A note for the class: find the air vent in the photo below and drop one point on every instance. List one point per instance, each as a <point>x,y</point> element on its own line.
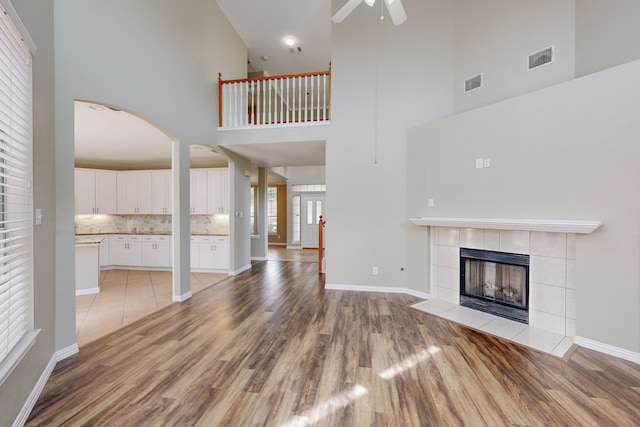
<point>295,49</point>
<point>473,83</point>
<point>540,58</point>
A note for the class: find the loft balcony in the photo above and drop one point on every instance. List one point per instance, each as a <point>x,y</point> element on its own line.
<point>275,101</point>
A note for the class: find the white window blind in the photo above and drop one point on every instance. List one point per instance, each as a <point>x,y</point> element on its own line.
<point>16,197</point>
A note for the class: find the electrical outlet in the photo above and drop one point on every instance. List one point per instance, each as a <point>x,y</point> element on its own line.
<point>479,163</point>
<point>486,163</point>
<point>375,271</point>
<point>430,203</point>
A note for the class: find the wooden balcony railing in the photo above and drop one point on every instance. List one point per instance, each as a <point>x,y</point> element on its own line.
<point>277,100</point>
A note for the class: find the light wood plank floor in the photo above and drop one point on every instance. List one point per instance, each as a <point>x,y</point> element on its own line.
<point>280,253</point>
<point>271,347</point>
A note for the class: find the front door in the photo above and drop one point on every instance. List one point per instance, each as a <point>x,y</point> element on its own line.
<point>312,208</point>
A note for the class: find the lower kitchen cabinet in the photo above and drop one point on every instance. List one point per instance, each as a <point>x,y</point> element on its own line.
<point>210,252</point>
<point>156,251</point>
<point>125,250</point>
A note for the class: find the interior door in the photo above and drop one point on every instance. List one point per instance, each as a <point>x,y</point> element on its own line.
<point>312,208</point>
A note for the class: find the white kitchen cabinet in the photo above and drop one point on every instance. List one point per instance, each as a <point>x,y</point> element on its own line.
<point>103,251</point>
<point>162,192</point>
<point>218,191</point>
<point>156,251</point>
<point>135,192</point>
<point>95,191</point>
<point>210,252</point>
<point>198,191</point>
<point>195,253</point>
<point>125,250</point>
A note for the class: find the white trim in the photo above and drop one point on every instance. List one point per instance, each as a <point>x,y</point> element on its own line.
<point>66,352</point>
<point>259,258</point>
<point>608,349</point>
<point>6,4</point>
<point>276,244</point>
<point>384,289</point>
<point>23,415</point>
<point>88,291</point>
<point>554,226</point>
<point>182,298</point>
<point>274,126</point>
<point>240,270</point>
<point>298,246</point>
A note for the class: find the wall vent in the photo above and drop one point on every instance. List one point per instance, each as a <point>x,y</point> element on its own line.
<point>540,58</point>
<point>473,83</point>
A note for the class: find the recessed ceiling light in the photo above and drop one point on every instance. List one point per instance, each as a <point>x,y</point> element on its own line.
<point>289,41</point>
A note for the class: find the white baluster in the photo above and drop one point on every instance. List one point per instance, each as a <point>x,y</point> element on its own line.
<point>306,90</point>
<point>270,89</point>
<point>324,103</point>
<point>299,99</point>
<point>281,120</point>
<point>319,78</point>
<point>288,106</point>
<point>312,93</point>
<point>264,102</point>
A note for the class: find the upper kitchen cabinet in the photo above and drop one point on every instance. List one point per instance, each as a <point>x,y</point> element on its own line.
<point>198,191</point>
<point>96,191</point>
<point>162,192</point>
<point>135,192</point>
<point>218,183</point>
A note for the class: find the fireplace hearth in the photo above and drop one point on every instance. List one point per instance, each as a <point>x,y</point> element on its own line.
<point>495,282</point>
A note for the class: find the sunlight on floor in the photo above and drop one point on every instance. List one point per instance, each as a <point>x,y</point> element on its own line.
<point>409,363</point>
<point>332,405</point>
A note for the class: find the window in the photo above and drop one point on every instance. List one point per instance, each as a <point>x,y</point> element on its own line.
<point>272,210</point>
<point>253,212</point>
<point>16,205</point>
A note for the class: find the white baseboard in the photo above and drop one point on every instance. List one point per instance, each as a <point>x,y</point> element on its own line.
<point>59,355</point>
<point>66,352</point>
<point>88,291</point>
<point>276,244</point>
<point>23,415</point>
<point>385,289</point>
<point>182,298</point>
<point>259,258</point>
<point>608,349</point>
<point>240,270</point>
<point>294,247</point>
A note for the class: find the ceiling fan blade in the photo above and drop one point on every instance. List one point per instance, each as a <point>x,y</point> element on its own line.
<point>398,16</point>
<point>345,11</point>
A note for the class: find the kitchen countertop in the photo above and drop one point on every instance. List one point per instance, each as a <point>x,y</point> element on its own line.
<point>88,240</point>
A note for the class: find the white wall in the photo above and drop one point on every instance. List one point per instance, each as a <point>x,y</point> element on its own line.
<point>607,34</point>
<point>495,37</point>
<point>147,56</point>
<point>366,201</point>
<point>566,152</point>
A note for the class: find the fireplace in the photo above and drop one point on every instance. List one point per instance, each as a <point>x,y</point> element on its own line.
<point>495,282</point>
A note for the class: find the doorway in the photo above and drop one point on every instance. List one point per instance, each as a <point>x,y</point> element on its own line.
<point>312,208</point>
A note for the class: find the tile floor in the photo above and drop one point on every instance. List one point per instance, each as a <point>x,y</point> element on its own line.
<point>126,296</point>
<point>536,338</point>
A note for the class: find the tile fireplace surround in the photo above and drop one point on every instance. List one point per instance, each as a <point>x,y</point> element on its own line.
<point>552,284</point>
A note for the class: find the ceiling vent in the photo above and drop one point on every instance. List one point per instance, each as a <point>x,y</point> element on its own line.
<point>472,83</point>
<point>540,58</point>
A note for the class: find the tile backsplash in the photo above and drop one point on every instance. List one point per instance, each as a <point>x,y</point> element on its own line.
<point>148,224</point>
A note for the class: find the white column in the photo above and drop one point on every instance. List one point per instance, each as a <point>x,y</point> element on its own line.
<point>181,221</point>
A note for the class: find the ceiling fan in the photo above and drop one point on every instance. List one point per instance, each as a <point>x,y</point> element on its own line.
<point>398,16</point>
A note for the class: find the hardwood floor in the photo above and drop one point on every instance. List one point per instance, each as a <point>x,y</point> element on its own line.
<point>280,253</point>
<point>271,347</point>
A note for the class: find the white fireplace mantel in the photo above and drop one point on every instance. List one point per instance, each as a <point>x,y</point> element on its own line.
<point>545,225</point>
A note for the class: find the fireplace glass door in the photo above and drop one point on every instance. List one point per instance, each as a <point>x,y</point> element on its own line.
<point>495,282</point>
